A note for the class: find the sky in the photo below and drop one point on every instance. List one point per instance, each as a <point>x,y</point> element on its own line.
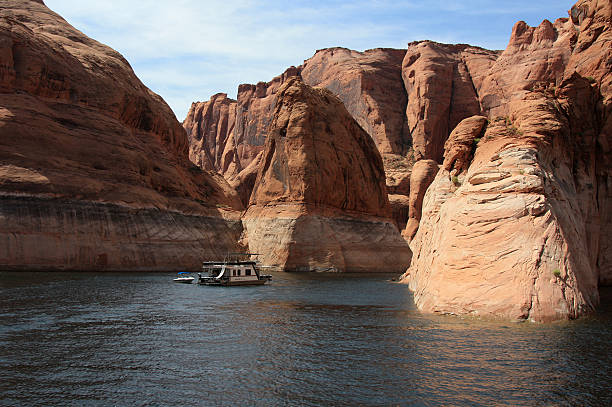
<point>188,50</point>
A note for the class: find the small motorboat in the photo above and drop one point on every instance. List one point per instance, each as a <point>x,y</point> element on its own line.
<point>184,277</point>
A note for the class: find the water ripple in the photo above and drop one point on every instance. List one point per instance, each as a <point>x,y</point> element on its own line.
<point>308,340</point>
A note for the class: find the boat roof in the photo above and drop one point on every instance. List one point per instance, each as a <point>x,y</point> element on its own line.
<point>231,263</point>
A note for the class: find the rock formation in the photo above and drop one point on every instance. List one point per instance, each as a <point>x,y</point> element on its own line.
<point>320,202</point>
<point>368,83</point>
<point>441,82</point>
<point>94,169</point>
<point>462,142</point>
<point>407,101</point>
<point>423,174</point>
<point>228,135</point>
<point>370,86</point>
<point>516,224</point>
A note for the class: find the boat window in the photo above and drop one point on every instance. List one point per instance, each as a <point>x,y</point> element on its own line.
<point>248,272</point>
<point>216,270</point>
<point>239,272</point>
<point>233,272</point>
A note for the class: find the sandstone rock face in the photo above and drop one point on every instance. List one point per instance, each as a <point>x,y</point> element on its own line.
<point>370,86</point>
<point>210,128</point>
<point>407,101</point>
<point>39,233</point>
<point>441,82</point>
<point>535,57</point>
<point>228,136</point>
<point>320,202</point>
<point>398,97</point>
<point>520,227</point>
<point>423,174</point>
<point>592,59</point>
<point>89,155</point>
<point>368,83</point>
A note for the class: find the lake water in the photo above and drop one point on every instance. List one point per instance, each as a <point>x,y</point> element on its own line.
<point>305,340</point>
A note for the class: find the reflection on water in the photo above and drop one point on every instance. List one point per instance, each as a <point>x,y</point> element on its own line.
<point>139,339</point>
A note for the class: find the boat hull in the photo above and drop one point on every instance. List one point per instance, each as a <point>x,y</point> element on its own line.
<point>231,272</point>
<point>226,283</point>
<point>184,280</point>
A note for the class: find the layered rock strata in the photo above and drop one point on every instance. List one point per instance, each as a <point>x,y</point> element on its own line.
<point>320,202</point>
<point>94,169</point>
<point>516,224</point>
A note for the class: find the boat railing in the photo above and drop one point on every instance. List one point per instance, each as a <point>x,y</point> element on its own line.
<point>236,257</point>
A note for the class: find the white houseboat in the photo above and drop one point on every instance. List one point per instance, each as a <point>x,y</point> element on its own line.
<point>232,271</point>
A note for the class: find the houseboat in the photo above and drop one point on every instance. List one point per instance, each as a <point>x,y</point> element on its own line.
<point>232,271</point>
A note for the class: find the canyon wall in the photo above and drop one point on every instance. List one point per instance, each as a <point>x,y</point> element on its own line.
<point>368,83</point>
<point>516,223</point>
<point>319,201</point>
<point>94,168</point>
<point>503,156</point>
<point>228,135</point>
<point>441,82</point>
<point>406,100</point>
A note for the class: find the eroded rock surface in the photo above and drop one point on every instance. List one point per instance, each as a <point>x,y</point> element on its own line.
<point>370,86</point>
<point>407,101</point>
<point>94,171</point>
<point>228,136</point>
<point>368,83</point>
<point>320,201</point>
<point>519,226</point>
<point>461,143</point>
<point>423,174</point>
<point>441,81</point>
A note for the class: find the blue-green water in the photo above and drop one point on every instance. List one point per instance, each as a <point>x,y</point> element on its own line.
<point>313,340</point>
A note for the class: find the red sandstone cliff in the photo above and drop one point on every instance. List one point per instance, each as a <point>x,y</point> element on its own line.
<point>320,201</point>
<point>368,83</point>
<point>516,223</point>
<point>441,82</point>
<point>94,171</point>
<point>227,136</point>
<point>407,101</point>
